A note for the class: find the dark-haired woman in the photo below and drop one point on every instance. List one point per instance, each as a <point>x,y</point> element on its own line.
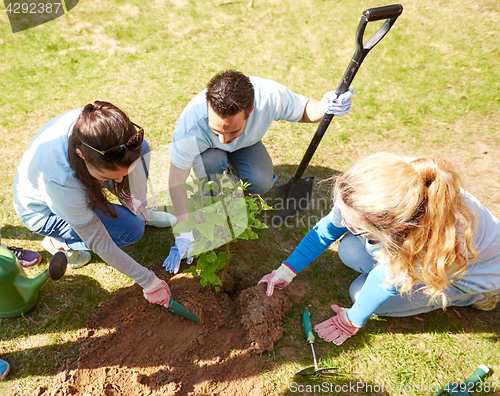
<point>60,191</point>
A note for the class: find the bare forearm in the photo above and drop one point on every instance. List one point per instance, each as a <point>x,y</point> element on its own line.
<point>179,196</point>
<point>177,193</point>
<point>312,112</point>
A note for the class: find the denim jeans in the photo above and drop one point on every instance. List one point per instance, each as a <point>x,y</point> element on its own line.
<point>353,254</point>
<point>251,164</point>
<point>126,229</point>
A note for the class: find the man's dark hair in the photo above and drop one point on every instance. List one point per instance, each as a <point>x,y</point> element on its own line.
<point>230,92</point>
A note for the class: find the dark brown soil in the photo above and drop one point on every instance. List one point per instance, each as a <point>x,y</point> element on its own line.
<point>131,347</point>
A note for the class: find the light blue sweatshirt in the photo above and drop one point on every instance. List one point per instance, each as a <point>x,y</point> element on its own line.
<point>482,275</point>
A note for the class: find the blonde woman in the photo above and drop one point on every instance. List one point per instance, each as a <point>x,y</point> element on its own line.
<point>418,239</point>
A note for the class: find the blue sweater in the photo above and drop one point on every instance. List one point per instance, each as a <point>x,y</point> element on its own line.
<point>482,275</point>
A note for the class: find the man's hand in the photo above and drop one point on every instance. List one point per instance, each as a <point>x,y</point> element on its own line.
<point>338,328</point>
<point>180,250</point>
<point>278,279</point>
<point>157,292</point>
<point>338,106</point>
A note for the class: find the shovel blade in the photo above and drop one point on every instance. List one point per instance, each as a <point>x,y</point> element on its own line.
<point>292,197</point>
<point>178,309</point>
<point>311,370</point>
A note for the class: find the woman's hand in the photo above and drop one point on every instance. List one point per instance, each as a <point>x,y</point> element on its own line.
<point>338,328</point>
<point>158,292</point>
<point>278,279</point>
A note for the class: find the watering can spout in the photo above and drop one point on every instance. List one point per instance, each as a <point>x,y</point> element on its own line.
<point>28,288</point>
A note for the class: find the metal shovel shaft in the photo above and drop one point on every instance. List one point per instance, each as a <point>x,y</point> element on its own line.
<point>297,189</point>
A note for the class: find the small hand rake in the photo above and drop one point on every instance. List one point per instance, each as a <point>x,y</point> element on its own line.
<point>313,370</point>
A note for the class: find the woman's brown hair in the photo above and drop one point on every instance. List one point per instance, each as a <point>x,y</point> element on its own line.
<point>102,126</point>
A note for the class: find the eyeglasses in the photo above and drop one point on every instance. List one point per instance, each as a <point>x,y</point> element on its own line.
<point>117,153</point>
<point>351,229</point>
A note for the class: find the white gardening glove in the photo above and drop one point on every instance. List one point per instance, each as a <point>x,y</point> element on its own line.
<point>278,279</point>
<point>180,250</point>
<point>157,292</point>
<point>338,328</point>
<point>340,106</point>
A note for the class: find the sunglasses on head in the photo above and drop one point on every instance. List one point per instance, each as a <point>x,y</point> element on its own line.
<point>117,153</point>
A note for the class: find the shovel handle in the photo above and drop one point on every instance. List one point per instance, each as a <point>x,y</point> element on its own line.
<point>306,323</point>
<point>391,13</point>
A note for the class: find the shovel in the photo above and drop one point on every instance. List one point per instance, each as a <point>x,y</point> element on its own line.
<point>313,370</point>
<point>178,309</point>
<point>293,197</point>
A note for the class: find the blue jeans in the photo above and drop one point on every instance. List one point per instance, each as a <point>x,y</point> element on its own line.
<point>353,254</point>
<point>251,164</point>
<point>126,229</point>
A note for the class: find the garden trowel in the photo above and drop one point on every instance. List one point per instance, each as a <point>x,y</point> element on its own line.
<point>178,309</point>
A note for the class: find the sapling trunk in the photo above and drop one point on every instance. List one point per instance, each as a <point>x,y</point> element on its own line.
<point>226,267</point>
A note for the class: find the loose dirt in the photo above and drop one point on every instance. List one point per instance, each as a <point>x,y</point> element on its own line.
<point>133,348</point>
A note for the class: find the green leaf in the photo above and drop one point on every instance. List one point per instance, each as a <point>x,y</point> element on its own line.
<point>243,235</point>
<point>211,257</point>
<point>211,185</point>
<point>197,181</point>
<point>221,262</point>
<point>207,230</point>
<point>203,282</point>
<point>251,234</point>
<point>191,270</point>
<point>217,288</point>
<point>209,200</point>
<point>259,225</point>
<point>199,247</point>
<point>211,277</point>
<point>202,262</point>
<point>187,187</point>
<point>191,205</point>
<point>183,226</point>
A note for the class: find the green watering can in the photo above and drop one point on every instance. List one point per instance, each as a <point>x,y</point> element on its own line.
<point>18,293</point>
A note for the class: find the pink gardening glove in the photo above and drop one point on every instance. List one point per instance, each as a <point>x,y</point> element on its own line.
<point>338,328</point>
<point>134,205</point>
<point>158,293</point>
<point>278,279</point>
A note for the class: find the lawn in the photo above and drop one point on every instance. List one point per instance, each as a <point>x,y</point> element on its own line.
<point>430,87</point>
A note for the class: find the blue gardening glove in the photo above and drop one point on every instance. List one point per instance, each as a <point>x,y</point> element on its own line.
<point>180,250</point>
<point>340,106</point>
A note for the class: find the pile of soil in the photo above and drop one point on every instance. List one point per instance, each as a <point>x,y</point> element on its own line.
<point>131,347</point>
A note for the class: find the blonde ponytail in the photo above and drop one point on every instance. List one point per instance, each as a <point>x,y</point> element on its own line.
<point>414,207</point>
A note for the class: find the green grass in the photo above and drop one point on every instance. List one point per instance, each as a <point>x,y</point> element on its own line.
<point>431,87</point>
